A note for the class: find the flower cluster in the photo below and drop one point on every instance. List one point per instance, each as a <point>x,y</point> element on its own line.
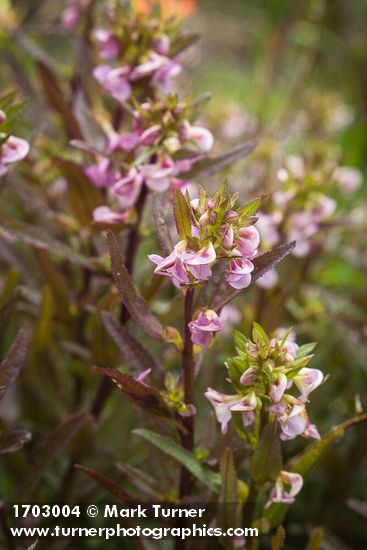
<point>12,148</point>
<point>262,374</point>
<point>301,204</point>
<point>157,151</point>
<point>135,53</point>
<point>217,231</point>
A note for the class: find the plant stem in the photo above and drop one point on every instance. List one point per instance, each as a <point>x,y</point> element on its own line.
<point>187,439</point>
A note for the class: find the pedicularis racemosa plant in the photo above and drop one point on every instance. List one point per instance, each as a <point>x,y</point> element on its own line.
<point>122,166</point>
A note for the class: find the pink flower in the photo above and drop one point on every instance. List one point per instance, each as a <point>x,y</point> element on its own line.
<point>248,241</point>
<point>278,388</point>
<point>114,81</point>
<point>201,137</point>
<point>105,214</point>
<point>287,486</point>
<point>128,188</point>
<point>109,46</point>
<point>308,380</point>
<point>227,235</point>
<point>100,173</point>
<point>238,273</point>
<point>161,44</point>
<point>182,263</point>
<point>268,225</point>
<point>149,136</point>
<point>224,405</point>
<point>125,142</point>
<point>13,150</point>
<point>70,17</point>
<point>202,327</point>
<point>152,64</point>
<point>348,178</point>
<point>143,375</point>
<point>163,76</point>
<point>293,419</point>
<point>248,377</point>
<point>268,280</point>
<point>158,176</point>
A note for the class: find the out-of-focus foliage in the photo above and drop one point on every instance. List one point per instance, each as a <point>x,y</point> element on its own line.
<point>291,75</point>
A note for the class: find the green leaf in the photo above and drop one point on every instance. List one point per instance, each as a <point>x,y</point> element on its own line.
<point>277,541</point>
<point>230,502</point>
<point>134,302</point>
<point>316,539</point>
<point>203,473</point>
<point>14,441</point>
<point>141,395</point>
<point>181,212</point>
<point>134,353</point>
<point>161,226</point>
<point>212,165</point>
<point>240,341</point>
<point>267,459</point>
<point>13,362</point>
<point>250,208</point>
<point>51,449</point>
<point>109,485</point>
<point>305,350</point>
<point>259,334</point>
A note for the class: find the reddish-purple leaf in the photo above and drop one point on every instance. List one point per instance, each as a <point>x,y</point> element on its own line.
<point>134,302</point>
<point>141,395</point>
<point>109,485</point>
<point>134,353</point>
<point>13,362</point>
<point>52,447</point>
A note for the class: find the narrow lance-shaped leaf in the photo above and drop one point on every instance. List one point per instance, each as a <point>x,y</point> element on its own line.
<point>229,507</point>
<point>13,362</point>
<point>262,264</point>
<point>35,236</point>
<point>134,302</point>
<point>304,462</point>
<point>267,459</point>
<point>316,539</point>
<point>83,197</point>
<point>202,472</point>
<point>135,354</point>
<point>57,100</point>
<point>14,441</point>
<point>277,541</point>
<point>212,165</point>
<point>141,480</point>
<point>141,395</point>
<point>51,449</point>
<point>181,211</point>
<point>109,485</point>
<point>161,226</point>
